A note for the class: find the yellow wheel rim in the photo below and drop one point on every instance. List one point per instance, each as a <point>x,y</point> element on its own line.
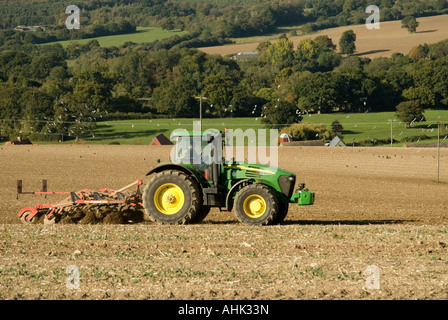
<point>169,198</point>
<point>254,206</point>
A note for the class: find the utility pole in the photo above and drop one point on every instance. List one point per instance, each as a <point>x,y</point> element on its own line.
<point>391,133</point>
<point>200,110</point>
<point>438,151</point>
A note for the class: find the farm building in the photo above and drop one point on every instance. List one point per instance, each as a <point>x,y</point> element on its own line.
<point>284,137</point>
<point>245,55</point>
<point>160,140</point>
<point>30,28</point>
<point>336,142</point>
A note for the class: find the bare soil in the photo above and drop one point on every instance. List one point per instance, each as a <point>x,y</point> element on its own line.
<point>383,42</point>
<point>374,207</point>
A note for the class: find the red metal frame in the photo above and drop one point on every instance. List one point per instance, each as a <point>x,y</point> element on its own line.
<point>84,197</point>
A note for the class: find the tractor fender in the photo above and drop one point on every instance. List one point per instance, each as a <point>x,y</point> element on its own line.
<point>229,202</point>
<point>172,166</point>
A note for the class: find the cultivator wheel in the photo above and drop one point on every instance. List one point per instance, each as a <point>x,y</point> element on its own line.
<point>25,218</point>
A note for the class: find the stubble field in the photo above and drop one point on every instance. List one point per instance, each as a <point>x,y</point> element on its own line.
<point>383,42</point>
<point>376,209</point>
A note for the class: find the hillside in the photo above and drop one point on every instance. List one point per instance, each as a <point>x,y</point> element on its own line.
<point>389,39</point>
<point>143,35</point>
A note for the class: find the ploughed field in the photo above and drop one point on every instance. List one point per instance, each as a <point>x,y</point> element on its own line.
<point>376,209</point>
<point>389,39</point>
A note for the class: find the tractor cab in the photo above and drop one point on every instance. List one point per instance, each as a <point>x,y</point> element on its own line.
<point>200,150</point>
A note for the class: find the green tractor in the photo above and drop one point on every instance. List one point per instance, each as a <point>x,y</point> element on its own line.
<point>184,190</point>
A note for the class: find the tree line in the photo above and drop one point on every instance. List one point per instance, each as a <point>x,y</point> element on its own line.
<point>41,94</point>
<point>49,90</point>
<point>217,19</point>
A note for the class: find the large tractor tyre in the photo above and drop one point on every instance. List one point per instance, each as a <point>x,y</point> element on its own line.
<point>202,214</point>
<point>172,197</point>
<point>256,204</point>
<point>282,212</point>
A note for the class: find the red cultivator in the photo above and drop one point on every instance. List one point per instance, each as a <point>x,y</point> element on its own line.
<point>86,206</point>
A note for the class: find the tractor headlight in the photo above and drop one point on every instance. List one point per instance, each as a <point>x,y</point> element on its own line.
<point>286,184</point>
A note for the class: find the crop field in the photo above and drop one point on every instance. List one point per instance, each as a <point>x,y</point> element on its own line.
<point>389,39</point>
<point>142,35</point>
<point>379,212</point>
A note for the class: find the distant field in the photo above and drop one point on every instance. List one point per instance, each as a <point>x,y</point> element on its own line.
<point>357,127</point>
<point>144,131</point>
<point>142,35</point>
<point>372,126</point>
<point>391,38</point>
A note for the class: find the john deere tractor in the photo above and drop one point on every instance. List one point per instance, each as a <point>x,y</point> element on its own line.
<point>183,190</point>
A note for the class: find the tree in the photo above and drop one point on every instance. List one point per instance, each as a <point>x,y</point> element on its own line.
<point>337,127</point>
<point>324,43</point>
<point>280,113</point>
<point>93,88</point>
<point>347,42</point>
<point>307,49</point>
<point>318,92</point>
<point>410,23</point>
<point>410,111</point>
<point>175,97</point>
<point>219,90</point>
<point>281,53</point>
<point>416,53</point>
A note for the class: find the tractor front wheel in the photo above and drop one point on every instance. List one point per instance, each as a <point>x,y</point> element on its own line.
<point>282,212</point>
<point>256,204</point>
<point>172,197</point>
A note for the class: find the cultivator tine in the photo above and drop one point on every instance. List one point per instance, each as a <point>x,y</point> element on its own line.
<point>97,196</point>
<point>19,188</point>
<point>74,197</point>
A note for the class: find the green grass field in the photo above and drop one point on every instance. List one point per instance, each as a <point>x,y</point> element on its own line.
<point>144,131</point>
<point>357,127</point>
<point>375,126</point>
<point>148,34</point>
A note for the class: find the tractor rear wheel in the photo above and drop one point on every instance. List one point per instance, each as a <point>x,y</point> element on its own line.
<point>172,197</point>
<point>202,214</point>
<point>256,204</point>
<point>282,212</point>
